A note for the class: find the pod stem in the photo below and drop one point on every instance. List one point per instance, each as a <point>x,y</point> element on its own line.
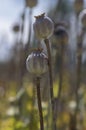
<point>39,103</point>
<point>51,81</point>
<point>60,79</point>
<point>23,25</point>
<point>61,71</point>
<point>78,69</point>
<point>21,71</point>
<point>29,32</point>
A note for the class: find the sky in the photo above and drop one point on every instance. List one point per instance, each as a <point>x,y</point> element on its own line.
<point>10,11</point>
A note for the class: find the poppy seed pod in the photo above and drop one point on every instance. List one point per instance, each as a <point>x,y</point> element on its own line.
<point>78,6</point>
<point>31,3</point>
<point>61,34</point>
<point>43,27</point>
<point>16,28</point>
<point>37,63</point>
<point>82,18</point>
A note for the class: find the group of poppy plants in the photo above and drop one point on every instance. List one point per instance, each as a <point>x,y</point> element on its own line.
<point>38,63</point>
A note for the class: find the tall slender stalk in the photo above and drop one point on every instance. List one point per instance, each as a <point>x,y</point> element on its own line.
<point>73,121</point>
<point>60,79</point>
<point>27,47</point>
<point>32,111</point>
<point>39,103</point>
<point>30,25</point>
<point>78,69</point>
<point>21,60</point>
<point>23,23</point>
<point>51,81</point>
<point>61,71</point>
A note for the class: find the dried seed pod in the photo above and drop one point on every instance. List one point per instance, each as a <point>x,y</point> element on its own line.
<point>78,6</point>
<point>82,18</point>
<point>43,26</point>
<point>61,34</point>
<point>31,3</point>
<point>16,28</point>
<point>37,63</point>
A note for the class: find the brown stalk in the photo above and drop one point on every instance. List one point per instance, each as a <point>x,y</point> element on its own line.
<point>29,32</point>
<point>21,70</point>
<point>30,22</point>
<point>78,69</point>
<point>51,81</point>
<point>39,103</point>
<point>60,77</point>
<point>61,71</point>
<point>73,121</point>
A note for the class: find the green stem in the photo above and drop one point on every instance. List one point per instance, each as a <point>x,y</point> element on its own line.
<point>51,81</point>
<point>39,103</point>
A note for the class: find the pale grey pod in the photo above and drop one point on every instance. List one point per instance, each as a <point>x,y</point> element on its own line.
<point>82,18</point>
<point>31,3</point>
<point>37,63</point>
<point>43,26</point>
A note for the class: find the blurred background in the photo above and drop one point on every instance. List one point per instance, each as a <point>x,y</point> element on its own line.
<point>18,102</point>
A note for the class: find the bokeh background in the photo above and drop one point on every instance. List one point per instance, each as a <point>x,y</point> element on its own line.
<point>18,100</point>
